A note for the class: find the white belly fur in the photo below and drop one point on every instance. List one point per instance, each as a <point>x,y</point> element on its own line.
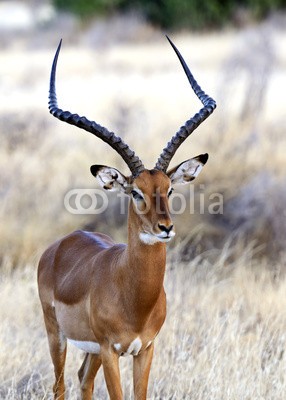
<point>88,347</point>
<point>94,348</point>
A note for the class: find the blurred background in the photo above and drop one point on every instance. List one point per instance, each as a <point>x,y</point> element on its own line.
<point>117,68</point>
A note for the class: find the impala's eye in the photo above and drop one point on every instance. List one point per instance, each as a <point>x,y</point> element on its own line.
<point>170,192</point>
<point>136,195</point>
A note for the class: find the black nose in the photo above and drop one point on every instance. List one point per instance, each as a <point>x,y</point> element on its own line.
<point>165,228</point>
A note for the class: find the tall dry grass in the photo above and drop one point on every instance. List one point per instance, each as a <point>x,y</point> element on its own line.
<point>224,337</point>
<point>225,333</point>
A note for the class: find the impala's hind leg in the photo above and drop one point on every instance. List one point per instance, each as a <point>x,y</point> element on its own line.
<point>58,346</point>
<point>87,373</point>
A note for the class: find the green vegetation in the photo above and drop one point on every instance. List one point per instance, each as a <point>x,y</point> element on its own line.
<point>193,14</point>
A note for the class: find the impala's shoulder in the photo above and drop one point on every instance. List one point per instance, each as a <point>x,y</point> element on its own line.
<point>89,238</point>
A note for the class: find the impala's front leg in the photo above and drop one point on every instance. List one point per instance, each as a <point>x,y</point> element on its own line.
<point>141,370</point>
<point>110,363</point>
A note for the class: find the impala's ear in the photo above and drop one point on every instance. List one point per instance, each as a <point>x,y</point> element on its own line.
<point>109,178</point>
<point>188,170</point>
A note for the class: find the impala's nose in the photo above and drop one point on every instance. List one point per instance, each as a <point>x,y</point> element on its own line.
<point>165,228</point>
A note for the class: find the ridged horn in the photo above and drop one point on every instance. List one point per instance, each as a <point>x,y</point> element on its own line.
<point>185,131</point>
<point>134,163</point>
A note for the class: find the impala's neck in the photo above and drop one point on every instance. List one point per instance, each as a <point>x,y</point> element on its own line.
<point>146,265</point>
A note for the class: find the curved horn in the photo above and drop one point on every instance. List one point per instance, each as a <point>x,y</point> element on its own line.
<point>185,131</point>
<point>134,163</point>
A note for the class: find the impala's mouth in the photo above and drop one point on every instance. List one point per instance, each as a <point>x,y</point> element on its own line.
<point>167,237</point>
<point>152,238</point>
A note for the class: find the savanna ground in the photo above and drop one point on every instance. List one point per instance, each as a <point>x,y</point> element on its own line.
<point>225,333</point>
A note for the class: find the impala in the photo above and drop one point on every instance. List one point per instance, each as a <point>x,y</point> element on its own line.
<point>106,298</point>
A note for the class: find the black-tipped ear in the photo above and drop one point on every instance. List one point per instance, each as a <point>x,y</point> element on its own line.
<point>109,178</point>
<point>188,170</point>
<point>203,158</point>
<point>94,169</point>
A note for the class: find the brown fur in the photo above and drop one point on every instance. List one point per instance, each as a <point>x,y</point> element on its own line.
<point>108,293</point>
<point>95,290</point>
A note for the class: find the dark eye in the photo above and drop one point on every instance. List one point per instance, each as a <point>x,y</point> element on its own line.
<point>170,192</point>
<point>136,195</point>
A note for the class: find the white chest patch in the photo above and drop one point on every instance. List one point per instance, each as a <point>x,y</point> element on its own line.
<point>147,238</point>
<point>88,347</point>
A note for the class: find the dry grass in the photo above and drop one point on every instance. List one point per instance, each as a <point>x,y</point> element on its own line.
<point>224,337</point>
<point>225,333</point>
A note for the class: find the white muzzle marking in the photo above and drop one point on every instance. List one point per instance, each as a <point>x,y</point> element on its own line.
<point>149,238</point>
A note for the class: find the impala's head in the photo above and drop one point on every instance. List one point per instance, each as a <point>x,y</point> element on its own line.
<point>149,192</point>
<point>149,189</point>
